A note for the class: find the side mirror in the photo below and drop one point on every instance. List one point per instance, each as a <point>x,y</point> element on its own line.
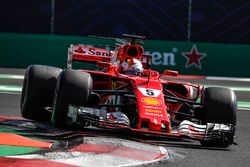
<point>103,64</point>
<point>171,73</point>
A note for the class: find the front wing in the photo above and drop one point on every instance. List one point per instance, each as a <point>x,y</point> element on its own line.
<point>186,130</point>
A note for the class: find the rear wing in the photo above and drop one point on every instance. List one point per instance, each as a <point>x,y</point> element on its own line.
<point>87,54</point>
<point>93,55</point>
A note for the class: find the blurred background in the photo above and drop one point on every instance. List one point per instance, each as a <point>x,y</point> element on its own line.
<point>209,37</point>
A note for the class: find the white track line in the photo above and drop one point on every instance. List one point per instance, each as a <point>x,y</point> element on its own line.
<point>10,88</point>
<point>10,76</point>
<point>240,108</point>
<point>228,79</point>
<point>11,93</point>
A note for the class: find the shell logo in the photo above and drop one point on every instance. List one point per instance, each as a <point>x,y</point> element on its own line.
<point>151,101</point>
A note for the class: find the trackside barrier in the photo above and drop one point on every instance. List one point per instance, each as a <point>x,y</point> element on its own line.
<point>193,58</point>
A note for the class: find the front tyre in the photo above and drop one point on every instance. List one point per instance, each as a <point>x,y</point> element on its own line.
<point>220,106</point>
<point>73,88</point>
<point>37,92</point>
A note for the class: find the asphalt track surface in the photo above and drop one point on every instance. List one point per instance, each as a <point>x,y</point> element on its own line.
<point>182,154</point>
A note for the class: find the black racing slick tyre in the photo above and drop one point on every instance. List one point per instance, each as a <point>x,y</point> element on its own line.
<point>37,92</point>
<point>220,106</point>
<point>73,88</point>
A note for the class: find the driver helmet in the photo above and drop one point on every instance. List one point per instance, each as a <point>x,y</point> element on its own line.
<point>132,66</point>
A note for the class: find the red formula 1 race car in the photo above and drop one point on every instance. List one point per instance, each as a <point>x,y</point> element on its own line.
<point>127,94</point>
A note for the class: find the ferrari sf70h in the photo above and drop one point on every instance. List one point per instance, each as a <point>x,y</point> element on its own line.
<point>144,102</point>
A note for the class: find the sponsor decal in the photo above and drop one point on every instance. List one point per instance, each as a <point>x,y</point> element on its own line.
<point>194,57</point>
<point>153,114</point>
<point>153,107</point>
<point>92,51</point>
<point>152,110</point>
<point>165,58</point>
<point>151,101</point>
<point>150,92</point>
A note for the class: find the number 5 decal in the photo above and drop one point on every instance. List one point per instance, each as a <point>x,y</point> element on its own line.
<point>150,92</point>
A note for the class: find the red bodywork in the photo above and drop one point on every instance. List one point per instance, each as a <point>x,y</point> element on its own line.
<point>148,87</point>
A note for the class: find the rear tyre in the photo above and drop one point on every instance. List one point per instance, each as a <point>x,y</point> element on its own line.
<point>37,93</point>
<point>73,87</point>
<point>220,106</point>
